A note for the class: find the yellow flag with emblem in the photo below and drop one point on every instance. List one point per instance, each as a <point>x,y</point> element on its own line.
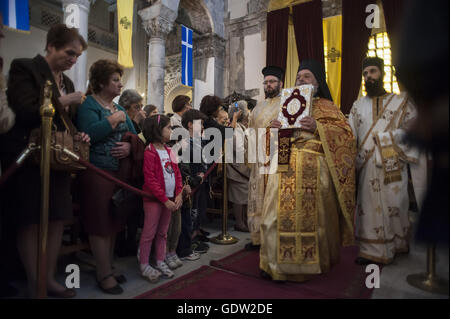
<point>292,62</point>
<point>125,25</point>
<point>332,42</point>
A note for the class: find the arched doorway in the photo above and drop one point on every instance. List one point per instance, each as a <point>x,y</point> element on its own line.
<point>172,90</point>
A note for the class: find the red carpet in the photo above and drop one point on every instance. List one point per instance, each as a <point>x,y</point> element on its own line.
<point>210,283</point>
<point>345,280</point>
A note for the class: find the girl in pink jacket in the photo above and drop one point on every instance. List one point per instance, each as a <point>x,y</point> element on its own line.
<point>162,178</point>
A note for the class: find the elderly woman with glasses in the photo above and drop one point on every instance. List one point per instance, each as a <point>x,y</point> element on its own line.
<point>131,101</point>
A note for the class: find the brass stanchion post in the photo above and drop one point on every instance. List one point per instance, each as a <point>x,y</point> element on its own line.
<point>47,112</point>
<point>224,238</point>
<point>429,281</point>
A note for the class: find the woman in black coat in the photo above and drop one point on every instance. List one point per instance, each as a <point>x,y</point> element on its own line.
<point>26,80</point>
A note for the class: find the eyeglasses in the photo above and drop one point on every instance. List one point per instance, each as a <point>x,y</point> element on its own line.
<point>270,82</point>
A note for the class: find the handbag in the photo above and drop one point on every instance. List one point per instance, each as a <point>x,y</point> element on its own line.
<point>69,139</point>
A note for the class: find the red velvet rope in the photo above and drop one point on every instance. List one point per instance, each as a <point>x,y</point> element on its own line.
<point>129,187</point>
<point>12,169</point>
<point>113,179</point>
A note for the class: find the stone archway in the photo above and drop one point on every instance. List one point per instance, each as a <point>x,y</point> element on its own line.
<point>172,90</point>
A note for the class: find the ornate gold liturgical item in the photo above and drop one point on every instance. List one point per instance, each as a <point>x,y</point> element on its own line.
<point>295,104</point>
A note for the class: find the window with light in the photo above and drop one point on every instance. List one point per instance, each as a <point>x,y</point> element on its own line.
<point>379,46</point>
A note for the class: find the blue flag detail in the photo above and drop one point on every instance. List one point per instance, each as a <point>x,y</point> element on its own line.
<point>15,14</point>
<point>186,56</point>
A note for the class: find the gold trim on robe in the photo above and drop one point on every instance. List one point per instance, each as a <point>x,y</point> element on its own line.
<point>339,146</point>
<point>309,204</point>
<point>260,118</point>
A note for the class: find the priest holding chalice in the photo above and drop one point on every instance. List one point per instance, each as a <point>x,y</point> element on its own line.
<point>302,231</point>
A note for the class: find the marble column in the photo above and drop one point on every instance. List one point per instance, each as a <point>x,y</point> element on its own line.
<point>158,21</point>
<point>78,73</point>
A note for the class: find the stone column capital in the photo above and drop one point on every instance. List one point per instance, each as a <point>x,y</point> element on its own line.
<point>158,19</point>
<point>157,27</point>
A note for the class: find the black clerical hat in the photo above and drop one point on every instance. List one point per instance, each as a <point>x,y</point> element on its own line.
<point>319,72</point>
<point>275,71</point>
<point>374,61</point>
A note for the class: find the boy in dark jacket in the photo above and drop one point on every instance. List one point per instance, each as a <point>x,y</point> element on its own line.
<point>193,173</point>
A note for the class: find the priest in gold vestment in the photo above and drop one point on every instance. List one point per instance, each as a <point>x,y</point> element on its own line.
<point>309,203</point>
<point>260,118</point>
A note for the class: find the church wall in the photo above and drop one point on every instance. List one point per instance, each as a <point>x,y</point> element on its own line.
<point>331,8</point>
<point>255,57</point>
<point>35,43</point>
<point>21,45</point>
<point>99,15</point>
<point>237,8</point>
<point>245,25</point>
<point>245,29</point>
<point>216,11</point>
<point>206,87</point>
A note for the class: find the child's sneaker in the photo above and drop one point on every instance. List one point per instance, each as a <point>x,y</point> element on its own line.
<point>200,247</point>
<point>177,260</point>
<point>164,269</point>
<point>193,256</point>
<point>150,273</point>
<point>171,262</point>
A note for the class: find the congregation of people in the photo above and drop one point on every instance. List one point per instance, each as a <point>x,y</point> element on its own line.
<point>339,181</point>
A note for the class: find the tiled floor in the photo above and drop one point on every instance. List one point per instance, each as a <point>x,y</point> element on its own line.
<point>392,284</point>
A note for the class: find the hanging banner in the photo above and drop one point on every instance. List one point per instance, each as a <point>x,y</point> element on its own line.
<point>186,56</point>
<point>332,38</point>
<point>125,25</point>
<point>292,62</point>
<point>15,14</point>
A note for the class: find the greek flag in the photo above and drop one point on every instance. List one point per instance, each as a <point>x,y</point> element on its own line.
<point>186,56</point>
<point>15,14</point>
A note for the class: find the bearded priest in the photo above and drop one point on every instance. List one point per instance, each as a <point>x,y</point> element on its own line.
<point>309,203</point>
